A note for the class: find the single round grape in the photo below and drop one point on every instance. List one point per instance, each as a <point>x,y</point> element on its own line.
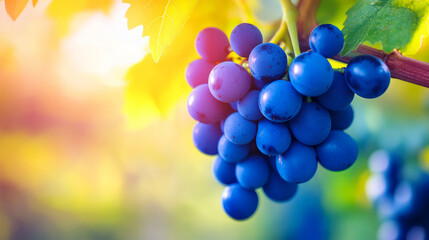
<point>327,40</point>
<point>272,138</point>
<point>342,119</point>
<point>253,172</point>
<point>229,82</point>
<point>212,44</point>
<point>248,106</point>
<point>311,74</point>
<point>298,164</point>
<point>238,130</point>
<point>231,152</point>
<point>312,124</point>
<point>268,62</point>
<point>339,95</point>
<point>279,101</point>
<point>198,71</point>
<point>239,203</point>
<point>277,189</point>
<point>338,152</point>
<point>367,76</point>
<point>244,38</point>
<point>224,171</point>
<point>206,137</point>
<point>203,107</point>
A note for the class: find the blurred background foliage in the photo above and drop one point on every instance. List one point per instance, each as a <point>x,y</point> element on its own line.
<point>95,138</point>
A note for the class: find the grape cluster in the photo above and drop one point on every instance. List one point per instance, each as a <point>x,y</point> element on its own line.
<point>401,202</point>
<point>270,125</point>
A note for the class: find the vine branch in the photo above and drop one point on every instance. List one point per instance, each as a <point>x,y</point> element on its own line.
<point>401,67</point>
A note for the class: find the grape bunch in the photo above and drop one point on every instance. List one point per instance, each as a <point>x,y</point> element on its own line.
<point>401,201</point>
<point>271,124</point>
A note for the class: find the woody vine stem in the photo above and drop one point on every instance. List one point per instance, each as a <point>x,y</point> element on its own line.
<point>298,22</point>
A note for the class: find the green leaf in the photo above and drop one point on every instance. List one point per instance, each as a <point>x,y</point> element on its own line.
<point>392,23</point>
<point>162,20</point>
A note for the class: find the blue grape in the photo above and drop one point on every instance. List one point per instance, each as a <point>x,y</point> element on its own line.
<point>206,137</point>
<point>339,95</point>
<point>244,38</point>
<point>239,203</point>
<point>279,101</point>
<point>229,82</point>
<point>327,40</point>
<point>203,107</point>
<point>224,171</point>
<point>231,152</point>
<point>253,172</point>
<point>312,124</point>
<point>248,106</point>
<point>212,44</point>
<point>338,152</point>
<point>277,189</point>
<point>298,164</point>
<point>267,62</point>
<point>197,72</point>
<point>342,119</point>
<point>367,76</point>
<point>272,138</point>
<point>311,74</point>
<point>238,130</point>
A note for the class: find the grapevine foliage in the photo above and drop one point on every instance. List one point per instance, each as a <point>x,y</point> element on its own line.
<point>393,23</point>
<point>161,20</point>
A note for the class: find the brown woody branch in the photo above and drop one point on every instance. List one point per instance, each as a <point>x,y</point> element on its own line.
<point>401,67</point>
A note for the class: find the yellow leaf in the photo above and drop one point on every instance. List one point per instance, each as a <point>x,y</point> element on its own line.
<point>155,89</point>
<point>35,2</point>
<point>162,20</point>
<point>15,7</point>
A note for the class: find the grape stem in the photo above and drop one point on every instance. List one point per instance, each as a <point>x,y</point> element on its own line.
<point>287,30</point>
<point>401,67</point>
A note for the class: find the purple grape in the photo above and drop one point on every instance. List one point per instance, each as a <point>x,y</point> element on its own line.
<point>244,38</point>
<point>248,106</point>
<point>238,130</point>
<point>229,82</point>
<point>206,137</point>
<point>198,72</point>
<point>268,62</point>
<point>224,171</point>
<point>203,107</point>
<point>212,44</point>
